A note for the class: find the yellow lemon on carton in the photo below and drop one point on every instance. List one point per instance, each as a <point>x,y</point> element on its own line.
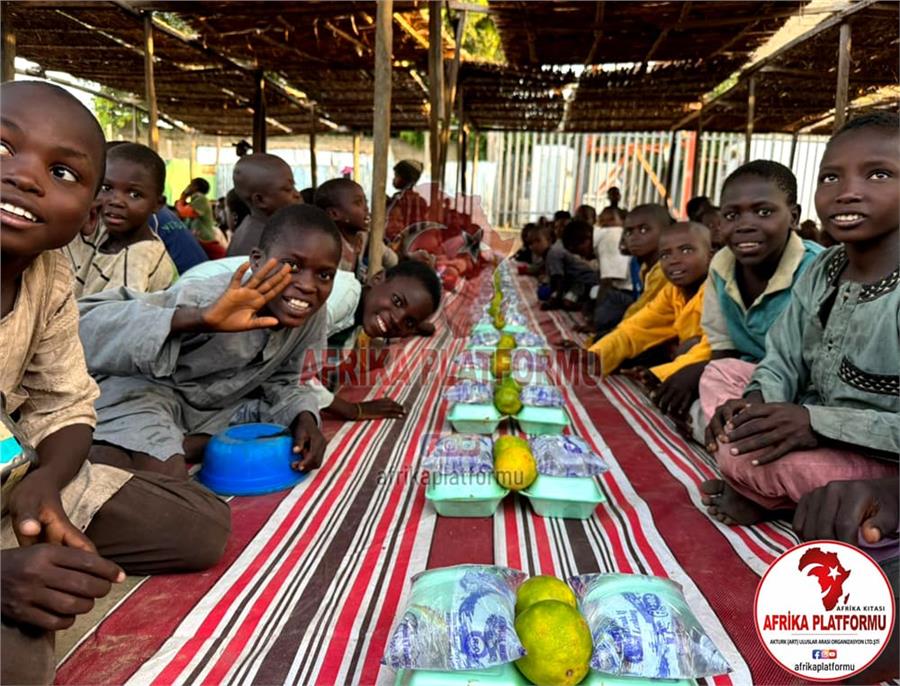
<point>501,363</point>
<point>558,642</point>
<point>515,468</point>
<point>507,342</point>
<point>544,587</point>
<point>505,443</point>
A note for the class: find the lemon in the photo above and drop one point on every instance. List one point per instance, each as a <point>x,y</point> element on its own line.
<point>499,321</point>
<point>501,363</point>
<point>506,400</point>
<point>558,643</point>
<point>515,468</point>
<point>506,342</point>
<point>505,443</point>
<point>545,587</point>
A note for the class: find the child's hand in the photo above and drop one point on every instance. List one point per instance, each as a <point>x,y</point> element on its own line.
<point>715,430</point>
<point>47,586</point>
<point>840,509</point>
<point>641,375</point>
<point>38,516</point>
<point>775,429</point>
<point>675,394</point>
<point>309,443</point>
<point>382,408</point>
<point>236,308</point>
<point>684,346</point>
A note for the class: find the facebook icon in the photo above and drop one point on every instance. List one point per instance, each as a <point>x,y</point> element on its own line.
<point>817,655</point>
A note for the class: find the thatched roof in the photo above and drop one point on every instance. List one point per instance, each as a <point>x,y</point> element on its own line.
<point>795,87</point>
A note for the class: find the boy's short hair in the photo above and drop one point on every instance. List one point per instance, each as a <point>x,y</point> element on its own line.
<point>659,213</point>
<point>887,121</point>
<point>142,156</point>
<point>696,228</point>
<point>528,229</point>
<point>298,217</point>
<point>308,195</point>
<point>575,233</point>
<point>769,170</point>
<point>424,274</point>
<point>618,211</point>
<point>587,212</point>
<point>562,214</point>
<point>409,171</point>
<point>696,206</point>
<point>201,184</point>
<point>329,193</point>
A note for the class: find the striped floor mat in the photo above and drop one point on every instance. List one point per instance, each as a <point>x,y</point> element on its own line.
<point>312,579</point>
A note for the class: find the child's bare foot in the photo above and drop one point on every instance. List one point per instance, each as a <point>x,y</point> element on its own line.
<point>730,507</point>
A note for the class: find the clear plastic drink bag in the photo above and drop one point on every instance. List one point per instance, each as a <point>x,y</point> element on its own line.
<point>470,393</point>
<point>542,396</point>
<point>461,454</point>
<point>458,618</point>
<point>566,456</point>
<point>643,627</point>
<point>485,338</point>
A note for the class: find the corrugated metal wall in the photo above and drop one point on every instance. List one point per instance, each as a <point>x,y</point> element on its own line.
<point>537,173</point>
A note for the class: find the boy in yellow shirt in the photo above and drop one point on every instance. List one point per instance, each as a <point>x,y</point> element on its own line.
<point>684,255</point>
<point>640,235</point>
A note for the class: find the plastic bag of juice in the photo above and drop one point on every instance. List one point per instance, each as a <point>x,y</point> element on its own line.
<point>461,454</point>
<point>565,456</point>
<point>529,339</point>
<point>643,627</point>
<point>458,618</point>
<point>473,360</point>
<point>542,396</point>
<point>485,338</point>
<point>470,393</point>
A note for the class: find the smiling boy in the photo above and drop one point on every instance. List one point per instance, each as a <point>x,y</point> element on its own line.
<point>181,363</point>
<point>684,254</point>
<point>70,529</point>
<point>823,403</point>
<point>124,250</point>
<point>749,285</point>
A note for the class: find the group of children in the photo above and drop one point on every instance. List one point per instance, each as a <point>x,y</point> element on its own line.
<point>781,357</point>
<point>122,358</point>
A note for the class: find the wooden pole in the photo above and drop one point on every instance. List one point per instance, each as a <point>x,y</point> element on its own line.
<point>9,50</point>
<point>670,169</point>
<point>476,150</point>
<point>460,154</point>
<point>794,139</point>
<point>698,151</point>
<point>356,156</point>
<point>381,129</point>
<point>751,115</point>
<point>435,94</point>
<point>259,112</point>
<point>450,93</point>
<point>193,156</point>
<point>843,78</point>
<point>312,148</point>
<point>150,83</point>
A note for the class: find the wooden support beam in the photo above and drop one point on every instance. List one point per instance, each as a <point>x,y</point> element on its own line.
<point>670,168</point>
<point>436,93</point>
<point>843,77</point>
<point>698,152</point>
<point>476,153</point>
<point>410,30</point>
<point>450,93</point>
<point>381,129</point>
<point>460,152</point>
<point>685,8</point>
<point>259,112</point>
<point>361,48</point>
<point>794,139</point>
<point>598,32</point>
<point>356,156</point>
<point>312,149</point>
<point>8,69</point>
<point>150,83</point>
<point>751,115</point>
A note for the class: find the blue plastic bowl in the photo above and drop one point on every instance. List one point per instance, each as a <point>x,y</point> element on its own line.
<point>250,459</point>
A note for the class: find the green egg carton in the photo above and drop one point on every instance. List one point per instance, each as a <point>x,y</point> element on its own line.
<point>564,497</point>
<point>464,495</point>
<point>508,675</point>
<point>483,327</point>
<point>480,418</point>
<point>483,375</point>
<point>515,328</point>
<point>499,675</point>
<point>542,421</point>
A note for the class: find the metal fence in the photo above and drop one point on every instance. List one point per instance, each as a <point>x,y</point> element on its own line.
<point>538,173</point>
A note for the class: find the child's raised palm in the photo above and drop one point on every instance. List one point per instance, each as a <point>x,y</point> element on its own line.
<point>236,309</point>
